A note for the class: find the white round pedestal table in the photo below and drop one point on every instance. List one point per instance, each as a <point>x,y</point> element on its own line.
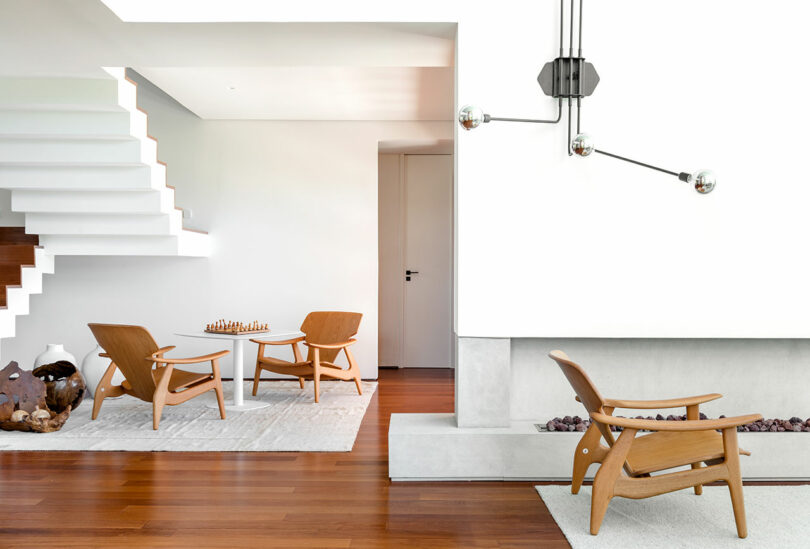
<point>239,403</point>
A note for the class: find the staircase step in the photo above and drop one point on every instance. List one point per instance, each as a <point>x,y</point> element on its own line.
<point>10,275</point>
<point>89,224</point>
<point>58,90</point>
<point>17,254</point>
<point>63,107</point>
<point>17,235</point>
<point>35,148</point>
<point>187,243</point>
<point>63,121</point>
<point>86,176</point>
<point>94,202</point>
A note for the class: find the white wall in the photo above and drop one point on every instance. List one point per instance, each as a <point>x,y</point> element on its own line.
<point>557,246</point>
<point>292,210</point>
<point>391,293</point>
<point>554,246</point>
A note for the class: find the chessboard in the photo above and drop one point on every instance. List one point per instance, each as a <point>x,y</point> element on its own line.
<point>223,326</point>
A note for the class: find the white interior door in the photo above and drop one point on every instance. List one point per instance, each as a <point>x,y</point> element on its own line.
<point>428,254</point>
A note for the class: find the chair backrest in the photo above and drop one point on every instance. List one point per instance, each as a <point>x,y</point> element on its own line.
<point>326,327</point>
<point>129,347</point>
<point>584,388</point>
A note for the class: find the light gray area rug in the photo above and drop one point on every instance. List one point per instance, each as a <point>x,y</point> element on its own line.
<point>292,423</point>
<point>777,518</point>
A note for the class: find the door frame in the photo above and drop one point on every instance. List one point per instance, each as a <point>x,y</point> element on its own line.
<point>400,247</point>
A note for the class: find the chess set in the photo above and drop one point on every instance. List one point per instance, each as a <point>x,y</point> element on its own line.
<point>223,326</point>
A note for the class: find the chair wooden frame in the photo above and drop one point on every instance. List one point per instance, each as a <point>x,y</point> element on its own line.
<point>671,444</point>
<point>321,327</point>
<point>164,385</point>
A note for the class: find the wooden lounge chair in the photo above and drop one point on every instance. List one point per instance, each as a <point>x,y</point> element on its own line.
<point>132,350</point>
<point>671,444</point>
<point>327,333</point>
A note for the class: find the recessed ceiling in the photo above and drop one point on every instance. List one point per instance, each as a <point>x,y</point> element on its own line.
<point>424,146</point>
<point>309,93</point>
<point>281,71</point>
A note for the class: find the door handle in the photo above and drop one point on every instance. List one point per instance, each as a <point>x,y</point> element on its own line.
<point>408,274</point>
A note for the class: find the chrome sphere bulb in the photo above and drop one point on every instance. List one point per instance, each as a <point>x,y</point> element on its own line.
<point>704,181</point>
<point>583,145</point>
<point>470,117</point>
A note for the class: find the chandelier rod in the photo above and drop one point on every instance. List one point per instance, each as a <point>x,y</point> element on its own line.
<point>488,118</point>
<point>579,84</point>
<point>676,174</point>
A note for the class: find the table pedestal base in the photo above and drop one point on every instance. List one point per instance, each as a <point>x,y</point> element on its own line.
<point>246,405</point>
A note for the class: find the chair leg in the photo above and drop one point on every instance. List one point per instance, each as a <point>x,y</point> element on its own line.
<point>587,452</point>
<point>162,392</point>
<point>693,412</point>
<point>355,369</point>
<point>103,387</point>
<point>256,377</point>
<point>316,374</point>
<point>158,401</point>
<point>301,382</point>
<point>735,486</point>
<point>220,400</point>
<point>699,487</point>
<point>606,477</point>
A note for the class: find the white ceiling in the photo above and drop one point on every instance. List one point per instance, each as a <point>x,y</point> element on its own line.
<point>420,146</point>
<point>309,93</point>
<point>282,71</point>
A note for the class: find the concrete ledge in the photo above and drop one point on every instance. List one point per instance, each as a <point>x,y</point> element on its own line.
<point>432,447</point>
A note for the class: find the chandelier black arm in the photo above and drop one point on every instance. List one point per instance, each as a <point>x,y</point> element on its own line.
<point>683,176</point>
<point>488,118</point>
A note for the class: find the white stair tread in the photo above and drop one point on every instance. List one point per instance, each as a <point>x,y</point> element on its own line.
<point>187,243</point>
<point>74,164</point>
<point>65,107</point>
<point>66,137</point>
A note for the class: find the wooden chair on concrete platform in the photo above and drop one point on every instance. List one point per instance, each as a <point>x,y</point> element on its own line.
<point>671,444</point>
<point>326,334</point>
<point>132,350</point>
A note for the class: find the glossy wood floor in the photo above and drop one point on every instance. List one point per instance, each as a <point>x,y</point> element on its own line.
<point>128,499</point>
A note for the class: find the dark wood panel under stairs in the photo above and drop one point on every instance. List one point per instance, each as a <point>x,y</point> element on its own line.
<point>16,252</point>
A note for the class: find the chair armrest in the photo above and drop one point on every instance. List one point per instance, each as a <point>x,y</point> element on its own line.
<point>331,345</point>
<point>284,342</point>
<point>654,404</point>
<point>666,425</point>
<point>194,360</point>
<point>164,350</point>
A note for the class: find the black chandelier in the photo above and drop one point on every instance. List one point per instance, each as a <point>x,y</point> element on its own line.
<point>571,77</point>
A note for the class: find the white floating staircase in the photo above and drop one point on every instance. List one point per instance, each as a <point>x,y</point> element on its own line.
<point>76,155</point>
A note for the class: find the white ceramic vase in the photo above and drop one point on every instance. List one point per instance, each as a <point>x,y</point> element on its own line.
<point>93,368</point>
<point>53,352</point>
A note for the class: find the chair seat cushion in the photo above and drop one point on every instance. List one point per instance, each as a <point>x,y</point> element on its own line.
<point>270,361</point>
<point>181,379</point>
<point>666,449</point>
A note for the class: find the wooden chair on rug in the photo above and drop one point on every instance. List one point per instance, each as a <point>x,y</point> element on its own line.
<point>671,444</point>
<point>326,334</point>
<point>132,350</point>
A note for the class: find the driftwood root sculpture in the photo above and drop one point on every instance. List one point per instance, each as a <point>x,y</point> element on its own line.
<point>23,405</point>
<point>64,385</point>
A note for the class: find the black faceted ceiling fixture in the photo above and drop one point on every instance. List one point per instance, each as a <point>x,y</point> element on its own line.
<point>571,77</point>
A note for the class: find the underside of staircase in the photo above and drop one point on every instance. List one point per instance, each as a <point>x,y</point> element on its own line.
<point>83,171</point>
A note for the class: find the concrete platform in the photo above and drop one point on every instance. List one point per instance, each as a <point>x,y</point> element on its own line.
<point>432,447</point>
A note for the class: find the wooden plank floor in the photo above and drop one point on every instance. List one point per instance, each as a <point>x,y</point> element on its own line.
<point>170,499</point>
